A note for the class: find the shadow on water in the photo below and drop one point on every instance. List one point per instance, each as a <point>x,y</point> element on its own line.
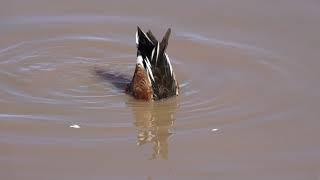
<point>118,80</point>
<point>154,122</point>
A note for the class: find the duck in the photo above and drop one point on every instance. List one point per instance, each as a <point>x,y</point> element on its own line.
<point>153,77</point>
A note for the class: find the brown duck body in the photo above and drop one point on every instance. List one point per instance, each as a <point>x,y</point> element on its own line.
<point>153,78</point>
<point>141,85</point>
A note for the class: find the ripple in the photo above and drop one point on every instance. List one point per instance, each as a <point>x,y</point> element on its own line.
<point>28,117</point>
<point>82,76</point>
<point>203,39</point>
<point>32,61</point>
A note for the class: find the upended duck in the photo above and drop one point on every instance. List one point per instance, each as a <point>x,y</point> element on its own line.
<point>153,78</point>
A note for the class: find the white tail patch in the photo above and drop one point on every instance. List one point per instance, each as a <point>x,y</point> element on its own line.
<point>157,52</point>
<point>137,38</point>
<point>168,60</point>
<point>152,53</point>
<point>139,60</point>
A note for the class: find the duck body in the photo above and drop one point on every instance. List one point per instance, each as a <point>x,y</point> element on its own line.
<point>153,78</point>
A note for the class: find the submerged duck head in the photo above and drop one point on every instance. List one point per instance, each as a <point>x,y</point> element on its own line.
<point>153,78</point>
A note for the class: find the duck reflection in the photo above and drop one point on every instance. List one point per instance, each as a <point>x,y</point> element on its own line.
<point>154,122</point>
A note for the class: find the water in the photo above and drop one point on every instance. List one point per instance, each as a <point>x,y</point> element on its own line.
<point>249,103</point>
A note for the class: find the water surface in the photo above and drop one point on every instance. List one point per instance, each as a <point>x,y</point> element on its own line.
<point>249,103</point>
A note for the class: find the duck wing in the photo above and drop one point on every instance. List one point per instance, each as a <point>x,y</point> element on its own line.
<point>165,80</point>
<point>145,44</point>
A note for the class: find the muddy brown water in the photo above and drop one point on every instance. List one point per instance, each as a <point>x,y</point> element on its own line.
<point>249,103</point>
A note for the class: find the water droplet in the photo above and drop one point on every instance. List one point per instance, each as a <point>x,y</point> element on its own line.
<point>214,130</point>
<point>76,126</point>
